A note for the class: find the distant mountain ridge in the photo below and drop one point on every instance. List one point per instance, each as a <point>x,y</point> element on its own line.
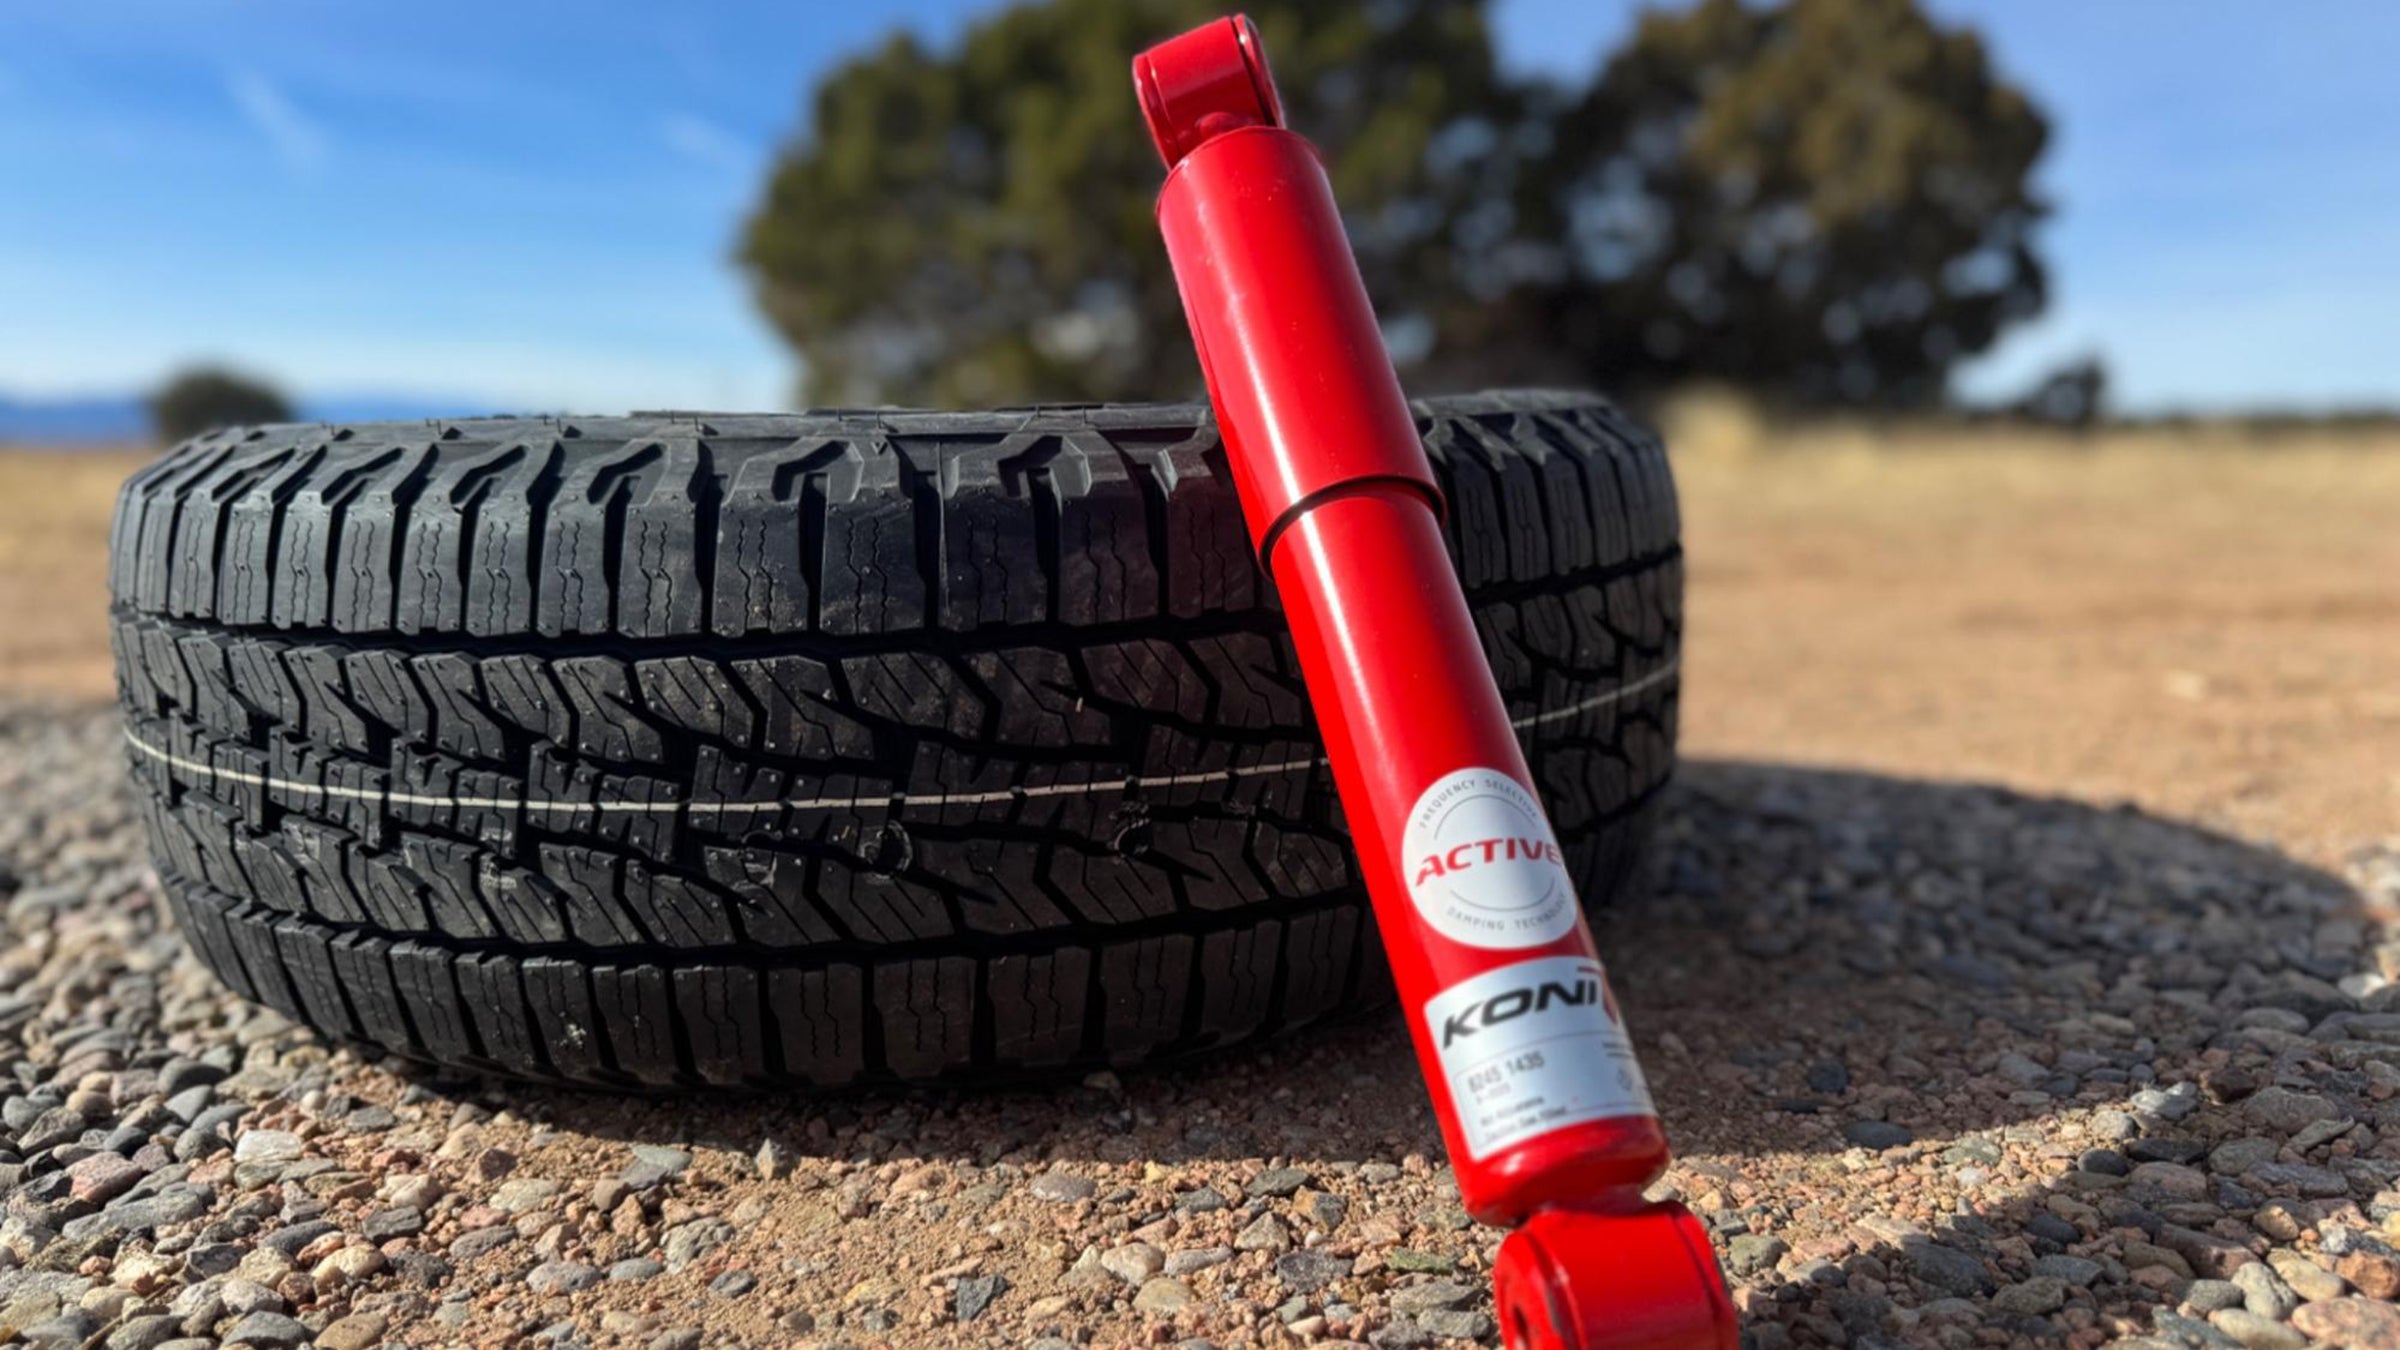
<point>116,419</point>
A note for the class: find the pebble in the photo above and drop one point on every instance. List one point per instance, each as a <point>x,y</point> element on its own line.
<point>1163,1294</point>
<point>553,1279</point>
<point>1134,1262</point>
<point>733,1284</point>
<point>2288,1112</point>
<point>1279,1181</point>
<point>267,1146</point>
<point>2352,1323</point>
<point>266,1329</point>
<point>2254,1332</point>
<point>2031,1298</point>
<point>1305,1272</point>
<point>1754,1253</point>
<point>972,1294</point>
<point>1430,1297</point>
<point>1878,1134</point>
<point>1063,1187</point>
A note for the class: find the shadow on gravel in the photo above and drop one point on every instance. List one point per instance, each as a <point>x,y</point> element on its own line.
<point>1820,952</point>
<point>1931,1054</point>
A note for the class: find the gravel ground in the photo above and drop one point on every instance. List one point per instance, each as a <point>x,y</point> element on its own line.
<point>1947,1066</point>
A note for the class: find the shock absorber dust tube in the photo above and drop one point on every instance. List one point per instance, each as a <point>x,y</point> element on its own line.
<point>1543,1108</point>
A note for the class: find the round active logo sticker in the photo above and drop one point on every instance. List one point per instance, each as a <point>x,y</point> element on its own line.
<point>1482,864</point>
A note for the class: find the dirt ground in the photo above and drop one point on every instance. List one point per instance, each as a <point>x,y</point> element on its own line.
<point>1947,1064</point>
<point>2204,622</point>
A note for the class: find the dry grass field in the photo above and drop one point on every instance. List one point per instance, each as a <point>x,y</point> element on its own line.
<point>2203,621</point>
<point>54,510</point>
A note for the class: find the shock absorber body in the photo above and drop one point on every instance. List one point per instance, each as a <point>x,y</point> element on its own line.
<point>1543,1108</point>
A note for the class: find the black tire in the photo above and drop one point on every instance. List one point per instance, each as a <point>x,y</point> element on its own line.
<point>821,749</point>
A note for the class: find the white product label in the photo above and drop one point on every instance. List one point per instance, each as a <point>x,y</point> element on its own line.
<point>1534,1047</point>
<point>1482,865</point>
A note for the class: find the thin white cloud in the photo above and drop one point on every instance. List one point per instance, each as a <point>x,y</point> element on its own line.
<point>297,139</point>
<point>705,143</point>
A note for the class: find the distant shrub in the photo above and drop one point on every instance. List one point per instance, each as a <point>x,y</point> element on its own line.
<point>206,399</point>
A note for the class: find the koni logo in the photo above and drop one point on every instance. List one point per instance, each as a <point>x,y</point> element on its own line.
<point>1482,864</point>
<point>1585,986</point>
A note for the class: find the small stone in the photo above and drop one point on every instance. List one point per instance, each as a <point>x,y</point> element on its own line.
<point>1063,1188</point>
<point>682,1338</point>
<point>2352,1323</point>
<point>2236,1156</point>
<point>2283,1178</point>
<point>1829,1077</point>
<point>2373,1273</point>
<point>2172,1103</point>
<point>1754,1253</point>
<point>2254,1332</point>
<point>1134,1262</point>
<point>1878,1134</point>
<point>1406,1259</point>
<point>248,1296</point>
<point>2164,1148</point>
<point>775,1160</point>
<point>1321,1210</point>
<point>733,1284</point>
<point>1163,1294</point>
<point>2031,1298</point>
<point>2264,1292</point>
<point>266,1329</point>
<point>1457,1325</point>
<point>1263,1234</point>
<point>359,1331</point>
<point>145,1333</point>
<point>2173,1180</point>
<point>971,1295</point>
<point>688,1242</point>
<point>1204,1200</point>
<point>2312,1282</point>
<point>654,1166</point>
<point>477,1242</point>
<point>1279,1181</point>
<point>553,1279</point>
<point>2018,1068</point>
<point>267,1146</point>
<point>634,1269</point>
<point>1197,1259</point>
<point>102,1177</point>
<point>2113,1124</point>
<point>1308,1271</point>
<point>2288,1112</point>
<point>2145,1255</point>
<point>2075,1270</point>
<point>1431,1297</point>
<point>2105,1161</point>
<point>523,1194</point>
<point>2208,1296</point>
<point>1947,1268</point>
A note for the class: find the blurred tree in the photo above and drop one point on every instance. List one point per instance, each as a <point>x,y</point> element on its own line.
<point>2073,395</point>
<point>1823,197</point>
<point>976,227</point>
<point>204,399</point>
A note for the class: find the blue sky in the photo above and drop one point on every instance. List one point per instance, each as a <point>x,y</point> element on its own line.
<point>532,204</point>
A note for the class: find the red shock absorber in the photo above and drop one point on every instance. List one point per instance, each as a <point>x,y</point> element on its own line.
<point>1543,1108</point>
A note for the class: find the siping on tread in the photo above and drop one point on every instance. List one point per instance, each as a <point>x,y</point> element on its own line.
<point>823,748</point>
